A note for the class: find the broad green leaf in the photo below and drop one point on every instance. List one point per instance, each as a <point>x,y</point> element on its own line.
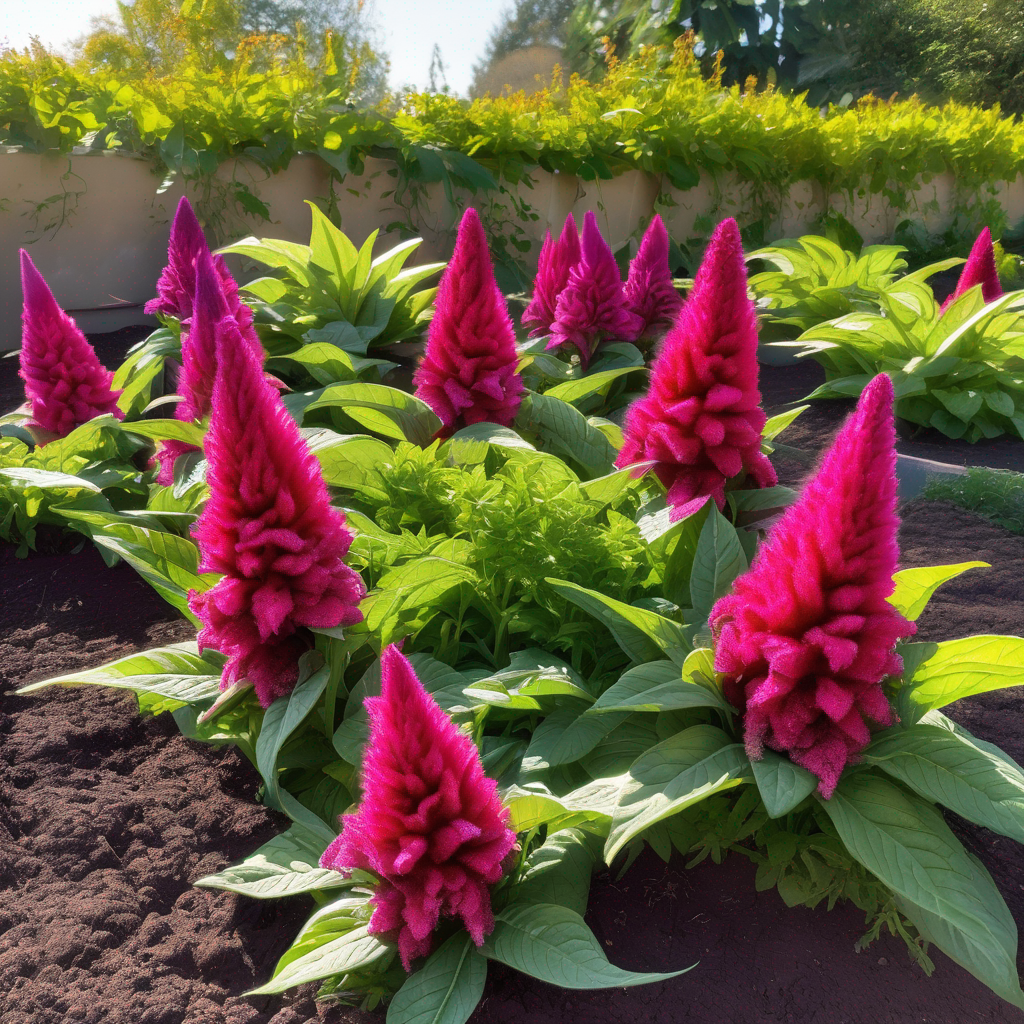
<point>567,431</point>
<point>352,461</point>
<point>938,674</point>
<point>775,425</point>
<point>446,989</point>
<point>469,446</point>
<point>47,479</point>
<point>566,735</point>
<point>606,489</point>
<point>350,950</point>
<point>904,842</point>
<point>558,872</point>
<point>593,383</point>
<point>656,686</point>
<point>326,363</point>
<point>168,430</point>
<point>384,410</point>
<point>178,674</point>
<point>673,775</point>
<point>554,944</point>
<point>286,865</point>
<point>946,768</point>
<point>914,587</point>
<point>718,560</point>
<point>783,785</point>
<point>642,634</point>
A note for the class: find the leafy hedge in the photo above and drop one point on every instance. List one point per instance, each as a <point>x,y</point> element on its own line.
<point>656,113</point>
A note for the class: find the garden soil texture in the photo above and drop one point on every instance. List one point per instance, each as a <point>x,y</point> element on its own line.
<point>106,819</point>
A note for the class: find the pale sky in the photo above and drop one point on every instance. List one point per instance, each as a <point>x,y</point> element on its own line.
<point>409,29</point>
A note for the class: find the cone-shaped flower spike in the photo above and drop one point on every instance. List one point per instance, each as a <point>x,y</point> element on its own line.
<point>269,527</point>
<point>176,286</point>
<point>591,308</point>
<point>557,258</point>
<point>806,637</point>
<point>430,824</point>
<point>701,421</point>
<point>649,291</point>
<point>979,269</point>
<point>65,383</point>
<point>468,373</point>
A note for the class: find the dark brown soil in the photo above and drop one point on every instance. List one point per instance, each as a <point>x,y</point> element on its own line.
<point>106,820</point>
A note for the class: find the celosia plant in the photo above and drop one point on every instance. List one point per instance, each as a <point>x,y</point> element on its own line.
<point>430,824</point>
<point>979,269</point>
<point>591,308</point>
<point>807,636</point>
<point>468,373</point>
<point>701,420</point>
<point>176,286</point>
<point>556,260</point>
<point>269,528</point>
<point>65,383</point>
<point>649,291</point>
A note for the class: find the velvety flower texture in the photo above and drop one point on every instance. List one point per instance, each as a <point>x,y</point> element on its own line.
<point>591,308</point>
<point>806,637</point>
<point>468,372</point>
<point>430,824</point>
<point>557,258</point>
<point>979,269</point>
<point>268,526</point>
<point>176,286</point>
<point>701,420</point>
<point>65,383</point>
<point>649,291</point>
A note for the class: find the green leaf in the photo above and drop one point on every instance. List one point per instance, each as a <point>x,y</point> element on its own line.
<point>446,989</point>
<point>775,425</point>
<point>558,872</point>
<point>287,865</point>
<point>469,446</point>
<point>656,686</point>
<point>938,674</point>
<point>384,410</point>
<point>718,560</point>
<point>605,489</point>
<point>352,461</point>
<point>642,634</point>
<point>167,430</point>
<point>47,479</point>
<point>178,674</point>
<point>783,785</point>
<point>904,842</point>
<point>352,949</point>
<point>325,363</point>
<point>946,768</point>
<point>567,735</point>
<point>673,775</point>
<point>914,587</point>
<point>593,383</point>
<point>555,945</point>
<point>566,429</point>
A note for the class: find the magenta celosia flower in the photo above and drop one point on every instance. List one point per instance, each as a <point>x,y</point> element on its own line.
<point>176,286</point>
<point>557,258</point>
<point>649,291</point>
<point>591,308</point>
<point>979,269</point>
<point>701,421</point>
<point>269,527</point>
<point>806,637</point>
<point>468,372</point>
<point>65,383</point>
<point>430,824</point>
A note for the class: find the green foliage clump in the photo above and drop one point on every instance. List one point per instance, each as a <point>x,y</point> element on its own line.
<point>996,494</point>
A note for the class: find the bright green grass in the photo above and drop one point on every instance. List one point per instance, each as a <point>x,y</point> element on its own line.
<point>996,494</point>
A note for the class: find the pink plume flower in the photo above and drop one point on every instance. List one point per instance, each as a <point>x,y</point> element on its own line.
<point>430,824</point>
<point>649,291</point>
<point>557,258</point>
<point>979,269</point>
<point>269,527</point>
<point>65,383</point>
<point>176,286</point>
<point>806,637</point>
<point>701,421</point>
<point>591,308</point>
<point>468,373</point>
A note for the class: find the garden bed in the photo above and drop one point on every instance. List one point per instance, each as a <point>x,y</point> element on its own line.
<point>105,820</point>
